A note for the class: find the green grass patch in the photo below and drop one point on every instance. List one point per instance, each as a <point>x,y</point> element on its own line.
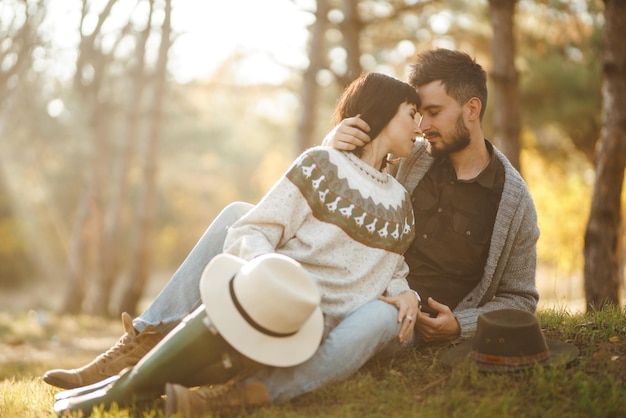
<point>413,384</point>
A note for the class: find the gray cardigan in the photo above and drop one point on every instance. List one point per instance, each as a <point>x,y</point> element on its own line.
<point>509,277</point>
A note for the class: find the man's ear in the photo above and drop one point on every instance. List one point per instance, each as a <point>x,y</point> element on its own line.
<point>473,107</point>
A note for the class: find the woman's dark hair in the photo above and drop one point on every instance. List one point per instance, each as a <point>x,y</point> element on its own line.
<point>376,97</point>
<point>461,76</point>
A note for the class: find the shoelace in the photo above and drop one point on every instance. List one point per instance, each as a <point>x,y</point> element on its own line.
<point>218,392</point>
<point>124,345</point>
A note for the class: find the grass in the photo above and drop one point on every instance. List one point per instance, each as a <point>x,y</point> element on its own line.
<point>413,385</point>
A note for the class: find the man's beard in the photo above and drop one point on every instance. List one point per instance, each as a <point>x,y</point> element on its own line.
<point>459,140</point>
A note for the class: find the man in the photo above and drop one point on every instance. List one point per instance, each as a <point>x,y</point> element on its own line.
<point>475,251</point>
<point>476,224</point>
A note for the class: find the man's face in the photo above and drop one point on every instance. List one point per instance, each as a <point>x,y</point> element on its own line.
<point>442,120</point>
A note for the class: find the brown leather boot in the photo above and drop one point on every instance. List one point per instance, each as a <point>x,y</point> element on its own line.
<point>191,403</point>
<point>130,348</point>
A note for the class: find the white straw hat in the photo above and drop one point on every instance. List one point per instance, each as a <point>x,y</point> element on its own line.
<point>267,309</point>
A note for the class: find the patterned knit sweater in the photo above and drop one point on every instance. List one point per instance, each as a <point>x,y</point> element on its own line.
<point>345,222</point>
<point>509,277</point>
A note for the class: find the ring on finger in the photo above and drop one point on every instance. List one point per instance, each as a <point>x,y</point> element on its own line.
<point>409,318</point>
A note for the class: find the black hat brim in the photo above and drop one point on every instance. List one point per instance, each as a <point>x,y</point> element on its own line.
<point>560,353</point>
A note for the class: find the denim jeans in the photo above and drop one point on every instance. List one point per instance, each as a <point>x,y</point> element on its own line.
<point>370,330</point>
<point>181,294</point>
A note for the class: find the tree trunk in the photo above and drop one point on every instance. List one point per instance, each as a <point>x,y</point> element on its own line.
<point>88,230</point>
<point>113,248</point>
<point>77,288</point>
<point>310,88</point>
<point>604,230</point>
<point>351,31</point>
<point>19,38</point>
<point>142,253</point>
<point>505,92</point>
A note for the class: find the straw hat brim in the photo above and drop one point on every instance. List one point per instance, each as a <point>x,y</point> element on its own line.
<point>252,343</point>
<point>560,353</point>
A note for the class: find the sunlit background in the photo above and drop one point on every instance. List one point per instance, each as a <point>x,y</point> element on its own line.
<point>272,35</point>
<point>78,147</point>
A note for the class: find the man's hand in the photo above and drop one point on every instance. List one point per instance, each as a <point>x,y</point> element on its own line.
<point>408,312</point>
<point>348,135</point>
<point>442,328</point>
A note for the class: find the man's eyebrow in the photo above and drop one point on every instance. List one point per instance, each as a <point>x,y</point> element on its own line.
<point>430,107</point>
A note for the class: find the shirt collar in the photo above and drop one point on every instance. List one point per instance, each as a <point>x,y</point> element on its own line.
<point>487,177</point>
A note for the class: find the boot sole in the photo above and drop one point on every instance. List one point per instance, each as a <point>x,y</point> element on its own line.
<point>85,389</point>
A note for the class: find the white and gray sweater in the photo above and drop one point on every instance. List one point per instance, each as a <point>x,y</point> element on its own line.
<point>347,223</point>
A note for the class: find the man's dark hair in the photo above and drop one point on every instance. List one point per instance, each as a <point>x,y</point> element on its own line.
<point>461,76</point>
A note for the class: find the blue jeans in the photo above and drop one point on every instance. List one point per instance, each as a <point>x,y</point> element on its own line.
<point>372,329</point>
<point>181,294</point>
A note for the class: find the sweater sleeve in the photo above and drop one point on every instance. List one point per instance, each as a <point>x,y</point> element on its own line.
<point>268,225</point>
<point>398,282</point>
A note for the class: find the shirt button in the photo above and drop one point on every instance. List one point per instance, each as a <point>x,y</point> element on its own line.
<point>468,233</point>
<point>439,210</point>
<point>425,236</point>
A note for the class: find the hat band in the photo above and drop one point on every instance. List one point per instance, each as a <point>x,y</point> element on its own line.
<point>249,319</point>
<point>508,360</point>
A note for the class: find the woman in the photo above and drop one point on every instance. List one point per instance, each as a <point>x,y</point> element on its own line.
<point>341,216</point>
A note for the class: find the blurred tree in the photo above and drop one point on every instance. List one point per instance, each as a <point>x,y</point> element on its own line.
<point>19,20</point>
<point>90,88</point>
<point>90,85</point>
<point>603,238</point>
<point>118,216</point>
<point>15,264</point>
<point>309,91</point>
<point>560,52</point>
<point>351,27</point>
<point>146,206</point>
<point>110,82</point>
<point>505,91</point>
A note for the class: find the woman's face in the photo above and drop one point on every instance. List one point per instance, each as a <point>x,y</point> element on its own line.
<point>401,131</point>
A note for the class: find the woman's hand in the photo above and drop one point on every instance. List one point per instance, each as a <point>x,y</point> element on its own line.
<point>408,311</point>
<point>348,135</point>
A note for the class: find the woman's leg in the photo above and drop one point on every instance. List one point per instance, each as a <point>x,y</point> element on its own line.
<point>192,354</point>
<point>371,329</point>
<point>177,299</point>
<point>181,294</point>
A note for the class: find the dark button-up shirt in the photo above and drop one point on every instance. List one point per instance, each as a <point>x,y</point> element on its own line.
<point>453,225</point>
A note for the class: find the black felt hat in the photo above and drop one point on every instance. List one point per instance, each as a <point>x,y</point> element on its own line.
<point>508,340</point>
